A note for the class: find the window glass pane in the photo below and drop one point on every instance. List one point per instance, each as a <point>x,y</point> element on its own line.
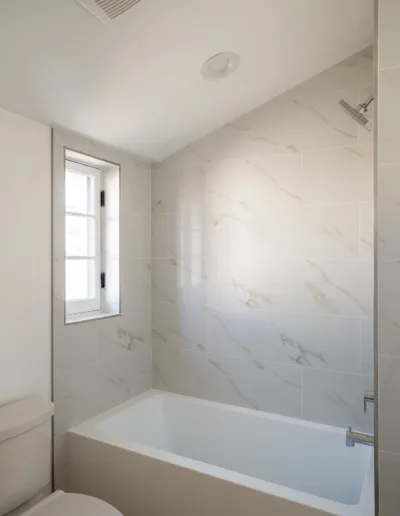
<point>80,282</point>
<point>80,238</point>
<point>79,192</point>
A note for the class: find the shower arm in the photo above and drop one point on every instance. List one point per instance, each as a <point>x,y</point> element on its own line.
<point>364,106</point>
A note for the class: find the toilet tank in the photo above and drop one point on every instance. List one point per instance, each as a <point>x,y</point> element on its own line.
<point>25,451</point>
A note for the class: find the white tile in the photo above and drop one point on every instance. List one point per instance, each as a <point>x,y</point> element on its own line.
<point>366,236</point>
<point>135,187</point>
<point>173,282</point>
<point>304,118</point>
<point>297,339</point>
<point>253,334</point>
<point>338,175</point>
<point>163,188</point>
<point>263,385</point>
<point>178,326</point>
<point>389,404</point>
<point>280,179</point>
<point>237,244</point>
<point>389,116</point>
<point>389,474</point>
<point>281,234</point>
<point>178,182</point>
<point>135,283</point>
<point>256,284</point>
<point>323,342</point>
<point>388,33</point>
<point>163,277</point>
<point>233,188</point>
<point>135,237</point>
<point>185,236</point>
<point>86,392</point>
<point>241,139</point>
<point>249,383</point>
<point>367,346</point>
<point>389,212</point>
<point>330,232</point>
<point>301,120</point>
<point>338,287</point>
<point>336,398</point>
<point>388,303</point>
<point>318,122</point>
<point>178,371</point>
<point>122,336</point>
<point>159,235</point>
<point>243,188</point>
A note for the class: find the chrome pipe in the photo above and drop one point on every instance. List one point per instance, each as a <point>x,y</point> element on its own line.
<point>353,438</point>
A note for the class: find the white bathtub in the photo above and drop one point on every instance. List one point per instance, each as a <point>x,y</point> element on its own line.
<point>166,454</point>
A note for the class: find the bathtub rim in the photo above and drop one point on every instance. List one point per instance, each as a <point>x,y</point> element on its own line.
<point>365,507</point>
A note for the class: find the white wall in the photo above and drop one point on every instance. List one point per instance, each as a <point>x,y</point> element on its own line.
<point>25,257</point>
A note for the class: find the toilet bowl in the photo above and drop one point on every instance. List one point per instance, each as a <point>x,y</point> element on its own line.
<point>71,504</point>
<point>25,466</point>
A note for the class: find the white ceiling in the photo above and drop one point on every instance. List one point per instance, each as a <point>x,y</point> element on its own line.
<point>136,83</point>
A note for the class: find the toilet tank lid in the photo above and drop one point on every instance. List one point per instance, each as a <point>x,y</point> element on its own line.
<point>22,415</point>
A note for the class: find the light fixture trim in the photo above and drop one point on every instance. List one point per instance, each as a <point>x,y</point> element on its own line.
<point>220,66</point>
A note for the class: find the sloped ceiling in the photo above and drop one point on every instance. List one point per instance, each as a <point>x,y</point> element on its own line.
<point>135,83</point>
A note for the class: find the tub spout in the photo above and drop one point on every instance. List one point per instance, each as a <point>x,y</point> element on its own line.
<point>353,438</point>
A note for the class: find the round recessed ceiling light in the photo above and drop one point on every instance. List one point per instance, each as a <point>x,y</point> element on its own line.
<point>220,66</point>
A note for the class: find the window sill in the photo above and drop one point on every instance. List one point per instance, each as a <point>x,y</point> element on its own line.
<point>89,316</point>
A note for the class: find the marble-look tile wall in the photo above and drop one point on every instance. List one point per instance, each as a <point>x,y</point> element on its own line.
<point>99,364</point>
<point>262,251</point>
<point>388,251</point>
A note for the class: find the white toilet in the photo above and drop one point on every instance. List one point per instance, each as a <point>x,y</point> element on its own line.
<point>25,466</point>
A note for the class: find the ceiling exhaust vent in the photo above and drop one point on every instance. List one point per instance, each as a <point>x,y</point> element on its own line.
<point>107,10</point>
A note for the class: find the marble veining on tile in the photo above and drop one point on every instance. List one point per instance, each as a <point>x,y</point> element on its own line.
<point>249,383</point>
<point>340,288</point>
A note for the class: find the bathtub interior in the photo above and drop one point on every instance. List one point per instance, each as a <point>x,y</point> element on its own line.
<point>307,457</point>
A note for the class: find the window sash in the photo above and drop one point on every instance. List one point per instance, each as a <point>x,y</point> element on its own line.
<point>94,302</point>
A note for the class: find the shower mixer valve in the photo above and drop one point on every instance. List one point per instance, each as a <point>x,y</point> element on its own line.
<point>369,397</point>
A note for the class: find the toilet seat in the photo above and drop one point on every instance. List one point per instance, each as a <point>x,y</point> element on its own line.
<point>71,504</point>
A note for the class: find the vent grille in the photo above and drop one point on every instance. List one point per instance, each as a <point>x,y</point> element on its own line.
<point>114,8</point>
<point>107,10</point>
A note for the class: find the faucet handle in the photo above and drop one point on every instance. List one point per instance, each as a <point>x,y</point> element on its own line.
<point>369,397</point>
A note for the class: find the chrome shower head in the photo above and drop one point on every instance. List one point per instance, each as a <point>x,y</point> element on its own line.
<point>358,113</point>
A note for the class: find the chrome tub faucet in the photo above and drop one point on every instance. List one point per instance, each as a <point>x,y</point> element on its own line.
<point>352,437</point>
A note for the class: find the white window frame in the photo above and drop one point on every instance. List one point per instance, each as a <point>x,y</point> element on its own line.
<point>95,303</point>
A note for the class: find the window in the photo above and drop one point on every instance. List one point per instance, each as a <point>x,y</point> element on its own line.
<point>92,193</point>
<point>83,251</point>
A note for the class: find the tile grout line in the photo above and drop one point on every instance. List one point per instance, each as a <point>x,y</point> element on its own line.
<point>272,362</point>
